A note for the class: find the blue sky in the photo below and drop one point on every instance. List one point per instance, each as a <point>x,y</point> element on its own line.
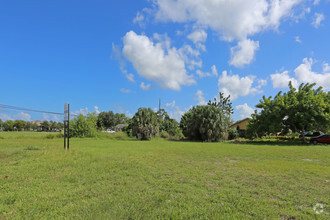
<point>121,55</point>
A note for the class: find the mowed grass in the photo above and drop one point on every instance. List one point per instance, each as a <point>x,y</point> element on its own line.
<point>110,178</point>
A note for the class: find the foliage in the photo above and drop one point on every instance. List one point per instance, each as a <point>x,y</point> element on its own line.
<point>210,122</point>
<point>225,105</point>
<point>19,124</point>
<point>8,125</point>
<point>205,123</point>
<point>167,125</point>
<point>109,119</point>
<point>84,126</point>
<point>144,124</point>
<point>105,120</point>
<point>232,134</point>
<point>128,129</point>
<point>120,118</point>
<point>298,110</point>
<point>186,117</point>
<point>45,126</point>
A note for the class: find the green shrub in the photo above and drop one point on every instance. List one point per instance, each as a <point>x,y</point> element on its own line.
<point>232,134</point>
<point>128,130</point>
<point>84,126</point>
<point>144,124</point>
<point>164,134</point>
<point>60,135</point>
<point>205,123</point>
<point>50,136</point>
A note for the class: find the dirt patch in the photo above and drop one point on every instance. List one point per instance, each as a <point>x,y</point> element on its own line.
<point>309,160</point>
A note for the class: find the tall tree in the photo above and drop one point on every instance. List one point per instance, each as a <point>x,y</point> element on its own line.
<point>106,120</point>
<point>299,110</point>
<point>205,123</point>
<point>8,125</point>
<point>167,124</point>
<point>45,126</point>
<point>144,124</point>
<point>225,106</point>
<point>19,124</point>
<point>120,118</point>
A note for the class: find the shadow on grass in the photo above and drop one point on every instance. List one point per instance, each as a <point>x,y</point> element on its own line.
<point>270,142</point>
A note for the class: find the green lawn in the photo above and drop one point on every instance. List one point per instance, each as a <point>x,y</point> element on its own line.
<point>130,179</point>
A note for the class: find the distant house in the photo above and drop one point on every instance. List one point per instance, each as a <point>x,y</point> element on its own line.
<point>38,123</point>
<point>120,127</point>
<point>240,126</point>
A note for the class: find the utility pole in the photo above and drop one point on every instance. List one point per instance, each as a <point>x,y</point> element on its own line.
<point>66,126</point>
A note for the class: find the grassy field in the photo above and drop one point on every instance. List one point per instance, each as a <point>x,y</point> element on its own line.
<point>115,178</point>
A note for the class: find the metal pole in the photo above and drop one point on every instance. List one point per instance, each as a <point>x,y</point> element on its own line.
<point>64,123</point>
<point>68,126</point>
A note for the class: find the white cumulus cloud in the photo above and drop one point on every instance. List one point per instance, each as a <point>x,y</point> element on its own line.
<point>198,36</point>
<point>116,53</point>
<point>23,116</point>
<point>144,86</point>
<point>316,2</point>
<point>297,38</point>
<point>125,90</point>
<point>244,111</point>
<point>236,86</point>
<point>243,53</point>
<point>83,111</point>
<point>200,97</point>
<point>304,74</point>
<point>155,62</point>
<point>326,67</point>
<point>170,104</point>
<point>5,117</point>
<point>96,110</point>
<point>214,72</point>
<point>318,18</point>
<point>231,19</point>
<point>281,80</point>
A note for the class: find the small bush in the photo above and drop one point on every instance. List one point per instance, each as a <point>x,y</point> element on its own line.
<point>164,134</point>
<point>232,134</point>
<point>128,131</point>
<point>50,136</point>
<point>60,135</point>
<point>84,126</point>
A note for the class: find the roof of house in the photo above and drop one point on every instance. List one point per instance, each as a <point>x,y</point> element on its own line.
<point>121,125</point>
<point>240,121</point>
<point>37,122</point>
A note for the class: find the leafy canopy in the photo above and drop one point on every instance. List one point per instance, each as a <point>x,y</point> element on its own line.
<point>144,124</point>
<point>298,110</point>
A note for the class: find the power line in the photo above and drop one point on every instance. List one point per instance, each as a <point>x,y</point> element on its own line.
<point>30,110</point>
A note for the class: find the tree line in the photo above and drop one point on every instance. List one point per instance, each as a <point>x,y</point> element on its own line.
<point>205,123</point>
<point>21,125</point>
<point>298,110</point>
